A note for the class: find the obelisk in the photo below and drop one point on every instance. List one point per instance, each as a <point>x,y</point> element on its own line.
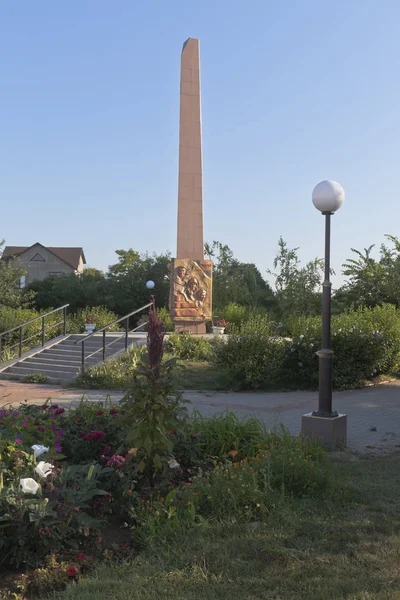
<point>190,185</point>
<point>191,275</point>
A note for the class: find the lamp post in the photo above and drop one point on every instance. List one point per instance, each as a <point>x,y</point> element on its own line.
<point>150,286</point>
<point>324,423</point>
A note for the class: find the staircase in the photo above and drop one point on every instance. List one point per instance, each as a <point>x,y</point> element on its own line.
<point>61,361</point>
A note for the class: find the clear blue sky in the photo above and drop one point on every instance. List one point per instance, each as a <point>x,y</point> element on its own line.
<point>292,92</point>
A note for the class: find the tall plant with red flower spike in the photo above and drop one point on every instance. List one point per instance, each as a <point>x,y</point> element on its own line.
<point>155,340</point>
<point>152,407</point>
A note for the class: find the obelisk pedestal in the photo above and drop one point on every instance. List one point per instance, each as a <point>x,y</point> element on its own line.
<point>191,275</point>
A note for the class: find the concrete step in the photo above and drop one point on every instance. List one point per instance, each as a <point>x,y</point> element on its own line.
<point>53,359</point>
<point>48,366</point>
<point>22,371</point>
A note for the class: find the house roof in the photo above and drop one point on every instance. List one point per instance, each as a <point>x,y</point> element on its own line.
<point>71,256</point>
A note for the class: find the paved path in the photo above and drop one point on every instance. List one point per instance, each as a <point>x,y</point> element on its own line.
<point>373,412</point>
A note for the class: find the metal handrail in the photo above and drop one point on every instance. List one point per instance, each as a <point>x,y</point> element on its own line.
<point>125,318</point>
<point>42,332</point>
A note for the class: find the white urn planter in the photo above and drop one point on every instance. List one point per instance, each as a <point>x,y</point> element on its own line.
<point>90,327</point>
<point>218,330</point>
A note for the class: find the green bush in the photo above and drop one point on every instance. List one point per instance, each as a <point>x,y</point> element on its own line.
<point>97,314</point>
<point>165,318</point>
<point>365,342</point>
<point>35,378</point>
<point>252,356</point>
<point>236,315</point>
<point>13,317</point>
<point>112,374</point>
<point>187,347</point>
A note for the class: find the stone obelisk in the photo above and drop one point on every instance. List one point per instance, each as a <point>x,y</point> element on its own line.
<point>191,275</point>
<point>190,186</point>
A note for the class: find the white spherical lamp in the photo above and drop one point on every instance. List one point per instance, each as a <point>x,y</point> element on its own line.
<point>150,285</point>
<point>328,196</point>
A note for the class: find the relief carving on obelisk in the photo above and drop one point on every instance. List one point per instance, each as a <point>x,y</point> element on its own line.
<point>191,275</point>
<point>191,291</point>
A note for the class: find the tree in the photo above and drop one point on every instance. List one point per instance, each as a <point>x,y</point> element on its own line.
<point>11,272</point>
<point>234,281</point>
<point>372,281</point>
<point>126,280</point>
<point>297,287</point>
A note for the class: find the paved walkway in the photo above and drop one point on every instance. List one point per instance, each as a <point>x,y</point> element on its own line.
<point>373,413</point>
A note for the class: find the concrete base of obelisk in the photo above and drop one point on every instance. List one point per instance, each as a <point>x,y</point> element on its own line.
<point>193,328</point>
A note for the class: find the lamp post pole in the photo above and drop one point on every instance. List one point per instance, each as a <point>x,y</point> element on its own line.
<point>325,354</point>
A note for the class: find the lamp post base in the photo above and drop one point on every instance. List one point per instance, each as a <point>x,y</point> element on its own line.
<point>331,432</point>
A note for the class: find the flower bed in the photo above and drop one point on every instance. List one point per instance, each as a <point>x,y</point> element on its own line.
<point>66,476</point>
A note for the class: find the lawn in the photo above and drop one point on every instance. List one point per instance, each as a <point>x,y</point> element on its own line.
<point>347,547</point>
<point>200,375</point>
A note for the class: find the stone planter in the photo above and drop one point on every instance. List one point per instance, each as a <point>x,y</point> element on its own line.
<point>218,330</point>
<point>90,327</point>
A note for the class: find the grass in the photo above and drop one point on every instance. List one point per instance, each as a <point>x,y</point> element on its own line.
<point>117,373</point>
<point>343,548</point>
<point>200,375</point>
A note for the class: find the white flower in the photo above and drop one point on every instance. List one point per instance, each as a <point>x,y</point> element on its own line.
<point>291,349</point>
<point>39,449</point>
<point>311,345</point>
<point>173,464</point>
<point>43,469</point>
<point>302,337</point>
<point>29,485</point>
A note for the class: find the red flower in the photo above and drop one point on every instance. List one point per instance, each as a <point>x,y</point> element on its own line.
<point>81,556</point>
<point>94,436</point>
<point>60,411</point>
<point>113,411</point>
<point>77,420</point>
<point>71,571</point>
<point>100,412</point>
<point>193,436</point>
<point>45,406</point>
<point>172,432</point>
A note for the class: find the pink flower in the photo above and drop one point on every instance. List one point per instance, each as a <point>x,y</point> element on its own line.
<point>113,411</point>
<point>18,441</point>
<point>100,412</point>
<point>60,411</point>
<point>117,461</point>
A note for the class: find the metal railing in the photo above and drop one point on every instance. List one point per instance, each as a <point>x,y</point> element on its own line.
<point>21,340</point>
<point>104,346</point>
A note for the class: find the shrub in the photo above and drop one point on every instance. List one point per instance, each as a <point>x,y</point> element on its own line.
<point>114,373</point>
<point>13,317</point>
<point>188,347</point>
<point>35,378</point>
<point>97,314</point>
<point>165,318</point>
<point>366,343</point>
<point>252,356</point>
<point>236,315</point>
